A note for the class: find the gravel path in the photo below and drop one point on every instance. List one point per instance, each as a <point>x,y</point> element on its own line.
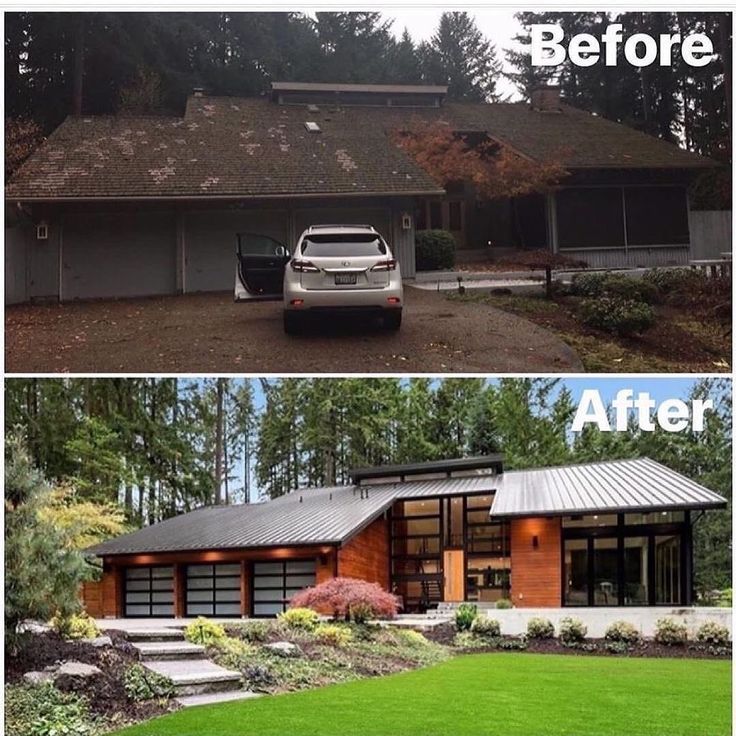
<point>203,333</point>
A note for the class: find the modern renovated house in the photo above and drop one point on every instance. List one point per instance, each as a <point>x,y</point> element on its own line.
<point>613,533</point>
<point>118,206</point>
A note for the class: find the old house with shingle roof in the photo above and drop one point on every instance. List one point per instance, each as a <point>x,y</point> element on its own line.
<point>116,206</point>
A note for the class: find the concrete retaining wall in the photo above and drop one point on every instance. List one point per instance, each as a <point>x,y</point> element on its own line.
<point>514,620</point>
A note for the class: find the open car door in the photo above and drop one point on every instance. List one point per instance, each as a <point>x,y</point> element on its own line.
<point>259,272</point>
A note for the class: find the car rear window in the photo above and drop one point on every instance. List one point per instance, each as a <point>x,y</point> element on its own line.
<point>357,244</point>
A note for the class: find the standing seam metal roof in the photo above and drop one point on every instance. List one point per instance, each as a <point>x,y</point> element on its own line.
<point>332,515</point>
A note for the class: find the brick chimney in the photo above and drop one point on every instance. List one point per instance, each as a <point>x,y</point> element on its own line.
<point>545,98</point>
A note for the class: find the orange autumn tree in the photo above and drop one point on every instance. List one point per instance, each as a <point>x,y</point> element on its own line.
<point>494,168</point>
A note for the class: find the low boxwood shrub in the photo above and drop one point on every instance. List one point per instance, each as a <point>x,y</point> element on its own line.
<point>616,315</point>
<point>673,280</point>
<point>485,628</point>
<point>504,603</point>
<point>42,710</point>
<point>622,631</point>
<point>435,250</point>
<point>669,632</point>
<point>76,626</point>
<point>300,618</point>
<point>540,628</point>
<point>712,633</point>
<point>465,615</point>
<point>572,630</point>
<point>333,634</point>
<point>254,631</point>
<point>468,640</point>
<point>517,644</point>
<point>203,631</point>
<point>143,684</point>
<point>603,283</point>
<point>348,598</point>
<point>617,647</point>
<point>410,638</point>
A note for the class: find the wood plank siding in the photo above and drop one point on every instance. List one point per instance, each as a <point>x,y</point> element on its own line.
<point>366,555</point>
<point>535,571</point>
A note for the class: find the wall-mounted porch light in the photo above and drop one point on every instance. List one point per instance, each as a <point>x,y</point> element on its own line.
<point>42,230</point>
<point>406,221</point>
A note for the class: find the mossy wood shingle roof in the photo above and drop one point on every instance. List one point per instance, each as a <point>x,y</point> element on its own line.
<point>251,147</point>
<point>332,515</point>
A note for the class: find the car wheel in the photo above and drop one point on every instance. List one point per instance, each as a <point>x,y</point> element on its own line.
<point>392,319</point>
<point>292,323</point>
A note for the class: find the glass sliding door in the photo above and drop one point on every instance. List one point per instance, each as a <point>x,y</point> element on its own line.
<point>667,577</point>
<point>605,571</point>
<point>636,571</point>
<point>576,572</point>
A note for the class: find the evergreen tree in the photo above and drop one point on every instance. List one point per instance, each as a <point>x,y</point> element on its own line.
<point>42,570</point>
<point>460,56</point>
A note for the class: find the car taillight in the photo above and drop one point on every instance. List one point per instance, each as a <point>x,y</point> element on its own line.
<point>303,266</point>
<point>389,265</point>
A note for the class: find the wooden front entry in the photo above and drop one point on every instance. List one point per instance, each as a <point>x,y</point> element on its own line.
<point>454,570</point>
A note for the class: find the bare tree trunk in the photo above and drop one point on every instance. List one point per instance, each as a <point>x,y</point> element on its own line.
<point>78,78</point>
<point>218,441</point>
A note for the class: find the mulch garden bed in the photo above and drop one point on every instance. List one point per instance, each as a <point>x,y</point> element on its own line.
<point>686,337</point>
<point>105,693</point>
<point>445,634</point>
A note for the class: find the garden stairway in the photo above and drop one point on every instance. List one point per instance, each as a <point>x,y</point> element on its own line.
<point>197,680</point>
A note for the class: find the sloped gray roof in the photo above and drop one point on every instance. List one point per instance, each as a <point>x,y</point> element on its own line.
<point>252,147</point>
<point>333,515</point>
<point>618,485</point>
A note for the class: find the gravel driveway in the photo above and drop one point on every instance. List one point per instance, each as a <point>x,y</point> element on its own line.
<point>208,333</point>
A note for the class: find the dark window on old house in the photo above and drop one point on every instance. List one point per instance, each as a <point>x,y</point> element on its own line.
<point>435,215</point>
<point>656,216</point>
<point>590,218</point>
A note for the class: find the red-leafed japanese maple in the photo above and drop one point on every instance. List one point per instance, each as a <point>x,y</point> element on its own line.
<point>494,168</point>
<point>349,599</point>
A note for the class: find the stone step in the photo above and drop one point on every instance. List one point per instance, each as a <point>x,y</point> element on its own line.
<point>187,701</point>
<point>160,634</point>
<point>195,676</point>
<point>168,650</point>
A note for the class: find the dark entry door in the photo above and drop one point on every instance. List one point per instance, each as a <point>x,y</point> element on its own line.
<point>149,591</point>
<point>260,268</point>
<point>274,583</point>
<point>213,590</point>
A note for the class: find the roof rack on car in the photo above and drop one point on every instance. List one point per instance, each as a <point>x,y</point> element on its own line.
<point>342,224</point>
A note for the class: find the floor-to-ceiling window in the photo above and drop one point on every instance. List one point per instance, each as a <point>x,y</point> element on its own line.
<point>488,550</point>
<point>626,559</point>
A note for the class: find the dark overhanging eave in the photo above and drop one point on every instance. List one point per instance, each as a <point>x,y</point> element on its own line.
<point>229,197</point>
<point>437,466</point>
<point>703,506</point>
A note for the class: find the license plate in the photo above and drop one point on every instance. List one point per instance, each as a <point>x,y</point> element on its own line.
<point>346,278</point>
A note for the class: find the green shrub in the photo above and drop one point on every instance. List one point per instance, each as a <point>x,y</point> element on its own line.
<point>143,684</point>
<point>76,626</point>
<point>465,615</point>
<point>616,315</point>
<point>410,638</point>
<point>333,635</point>
<point>43,710</point>
<point>673,280</point>
<point>485,628</point>
<point>572,630</point>
<point>504,603</point>
<point>725,600</point>
<point>233,653</point>
<point>254,631</point>
<point>300,618</point>
<point>617,647</point>
<point>468,640</point>
<point>604,283</point>
<point>203,631</point>
<point>435,250</point>
<point>540,628</point>
<point>622,631</point>
<point>670,632</point>
<point>712,633</point>
<point>518,643</point>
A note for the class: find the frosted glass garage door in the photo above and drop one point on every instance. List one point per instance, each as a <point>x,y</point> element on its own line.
<point>149,591</point>
<point>274,583</point>
<point>213,590</point>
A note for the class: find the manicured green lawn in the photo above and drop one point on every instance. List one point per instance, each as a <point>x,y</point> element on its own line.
<point>485,694</point>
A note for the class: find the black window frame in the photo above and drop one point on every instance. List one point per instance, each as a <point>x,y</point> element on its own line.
<point>150,592</point>
<point>621,531</point>
<point>214,589</point>
<point>283,601</point>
